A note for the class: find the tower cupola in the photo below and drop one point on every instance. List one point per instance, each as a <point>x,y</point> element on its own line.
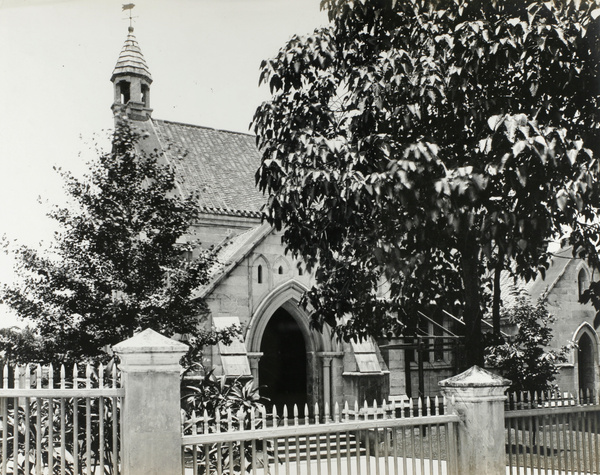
<point>131,79</point>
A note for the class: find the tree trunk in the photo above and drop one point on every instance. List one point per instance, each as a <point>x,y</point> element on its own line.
<point>497,295</point>
<point>472,315</point>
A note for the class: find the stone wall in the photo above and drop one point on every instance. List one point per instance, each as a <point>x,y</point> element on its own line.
<point>563,303</point>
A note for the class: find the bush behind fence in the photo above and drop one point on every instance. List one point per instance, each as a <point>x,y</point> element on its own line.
<point>60,423</point>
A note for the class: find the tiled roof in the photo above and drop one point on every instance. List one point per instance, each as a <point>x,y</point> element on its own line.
<point>216,164</point>
<point>131,60</point>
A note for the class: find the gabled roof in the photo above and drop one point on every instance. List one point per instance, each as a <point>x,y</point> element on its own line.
<point>218,165</point>
<point>131,60</point>
<point>539,287</point>
<point>558,265</point>
<point>230,253</point>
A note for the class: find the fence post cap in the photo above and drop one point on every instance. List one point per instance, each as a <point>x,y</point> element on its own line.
<point>475,377</point>
<point>149,341</point>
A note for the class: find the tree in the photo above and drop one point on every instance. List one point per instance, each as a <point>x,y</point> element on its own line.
<point>18,344</point>
<point>525,359</point>
<point>413,148</point>
<point>119,263</point>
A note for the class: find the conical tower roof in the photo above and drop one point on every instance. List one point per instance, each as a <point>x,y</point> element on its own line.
<point>131,61</point>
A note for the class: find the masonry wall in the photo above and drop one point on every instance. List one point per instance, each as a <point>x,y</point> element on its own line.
<point>563,303</point>
<point>241,292</point>
<point>244,295</point>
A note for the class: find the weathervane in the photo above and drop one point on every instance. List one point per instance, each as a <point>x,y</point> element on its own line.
<point>129,6</point>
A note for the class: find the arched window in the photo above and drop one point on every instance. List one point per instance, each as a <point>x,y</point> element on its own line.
<point>280,270</point>
<point>583,281</point>
<point>259,274</point>
<point>146,95</point>
<point>300,271</point>
<point>124,90</point>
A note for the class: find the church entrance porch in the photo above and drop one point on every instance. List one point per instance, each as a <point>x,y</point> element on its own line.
<point>282,369</point>
<point>284,352</point>
<point>296,365</point>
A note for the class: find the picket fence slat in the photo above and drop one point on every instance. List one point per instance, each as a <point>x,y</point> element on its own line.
<point>56,423</point>
<point>548,432</point>
<point>369,439</point>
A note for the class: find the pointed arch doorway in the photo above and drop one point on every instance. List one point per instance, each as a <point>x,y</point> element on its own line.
<point>587,370</point>
<point>282,367</point>
<point>292,327</point>
<point>585,364</point>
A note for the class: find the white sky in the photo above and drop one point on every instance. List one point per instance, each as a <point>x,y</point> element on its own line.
<point>56,59</point>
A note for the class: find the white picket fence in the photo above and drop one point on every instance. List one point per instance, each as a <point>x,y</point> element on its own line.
<point>408,438</point>
<point>553,433</point>
<point>60,423</point>
<point>85,423</point>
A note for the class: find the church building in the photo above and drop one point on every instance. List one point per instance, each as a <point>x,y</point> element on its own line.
<point>254,283</point>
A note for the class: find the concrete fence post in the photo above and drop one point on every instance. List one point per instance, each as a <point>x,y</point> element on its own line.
<point>151,416</point>
<point>478,397</point>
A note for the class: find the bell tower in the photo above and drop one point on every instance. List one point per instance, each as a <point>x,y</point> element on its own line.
<point>131,80</point>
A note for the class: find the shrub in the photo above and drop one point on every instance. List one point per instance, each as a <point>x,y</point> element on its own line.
<point>525,359</point>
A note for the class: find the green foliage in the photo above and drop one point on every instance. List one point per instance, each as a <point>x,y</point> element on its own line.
<point>423,144</point>
<point>525,359</point>
<point>118,264</point>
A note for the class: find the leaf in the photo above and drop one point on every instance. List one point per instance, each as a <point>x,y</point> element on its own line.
<point>519,147</point>
<point>562,198</point>
<point>495,121</point>
<point>572,155</point>
<point>485,145</point>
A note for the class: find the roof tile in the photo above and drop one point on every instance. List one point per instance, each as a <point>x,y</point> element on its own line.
<point>218,165</point>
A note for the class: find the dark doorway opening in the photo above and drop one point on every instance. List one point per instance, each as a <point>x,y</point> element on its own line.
<point>585,363</point>
<point>282,367</point>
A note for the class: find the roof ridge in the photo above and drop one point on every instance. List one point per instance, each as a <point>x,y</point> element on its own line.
<point>231,211</point>
<point>205,127</point>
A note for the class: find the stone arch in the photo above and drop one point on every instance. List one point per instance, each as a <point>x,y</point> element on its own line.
<point>586,358</point>
<point>286,297</point>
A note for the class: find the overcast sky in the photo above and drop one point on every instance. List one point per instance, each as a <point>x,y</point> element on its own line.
<point>56,59</point>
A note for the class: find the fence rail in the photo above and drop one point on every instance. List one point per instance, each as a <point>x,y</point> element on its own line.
<point>389,439</point>
<point>553,432</point>
<point>54,422</point>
